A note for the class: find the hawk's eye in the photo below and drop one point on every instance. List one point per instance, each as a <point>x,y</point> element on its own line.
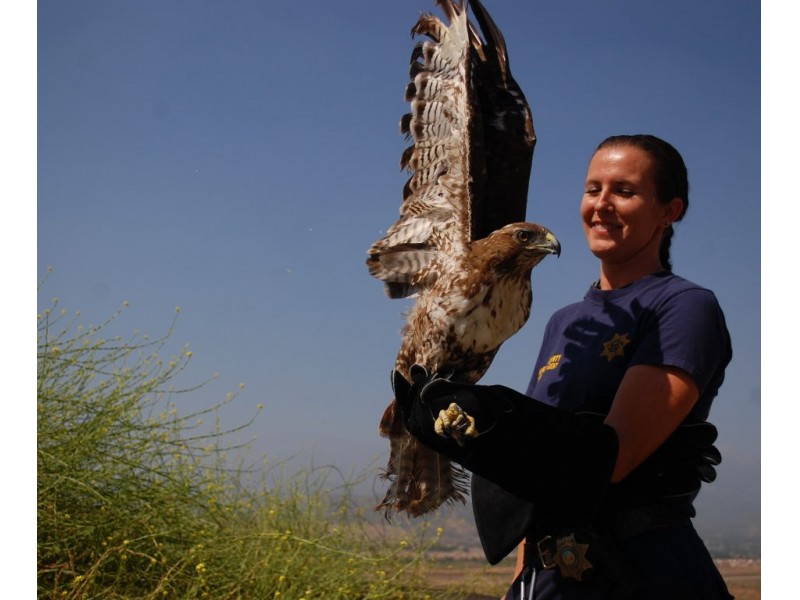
<point>524,236</point>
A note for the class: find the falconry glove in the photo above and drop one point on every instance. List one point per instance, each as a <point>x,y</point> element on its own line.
<point>465,417</point>
<point>692,446</point>
<point>562,462</point>
<point>677,468</point>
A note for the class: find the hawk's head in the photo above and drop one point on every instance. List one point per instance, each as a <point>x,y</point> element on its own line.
<point>517,247</point>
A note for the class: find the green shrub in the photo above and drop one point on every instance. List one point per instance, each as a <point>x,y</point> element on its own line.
<point>138,501</point>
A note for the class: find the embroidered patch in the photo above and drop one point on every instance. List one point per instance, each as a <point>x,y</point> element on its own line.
<point>552,363</point>
<point>615,346</point>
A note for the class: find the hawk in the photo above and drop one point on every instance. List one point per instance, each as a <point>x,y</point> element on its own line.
<point>460,246</point>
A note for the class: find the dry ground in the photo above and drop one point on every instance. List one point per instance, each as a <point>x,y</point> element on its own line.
<point>481,582</point>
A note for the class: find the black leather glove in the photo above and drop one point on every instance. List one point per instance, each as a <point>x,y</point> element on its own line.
<point>562,462</point>
<point>691,447</point>
<point>456,411</point>
<point>677,468</point>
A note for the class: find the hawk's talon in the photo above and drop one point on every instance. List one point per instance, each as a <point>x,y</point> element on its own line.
<point>455,423</point>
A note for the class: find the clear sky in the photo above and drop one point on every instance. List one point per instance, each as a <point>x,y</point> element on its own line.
<point>237,159</point>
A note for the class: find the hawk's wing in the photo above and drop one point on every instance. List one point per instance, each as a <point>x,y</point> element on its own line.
<point>471,155</point>
<point>470,162</point>
<point>507,131</point>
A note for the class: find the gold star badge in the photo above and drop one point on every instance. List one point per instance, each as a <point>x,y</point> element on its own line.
<point>615,346</point>
<point>571,557</point>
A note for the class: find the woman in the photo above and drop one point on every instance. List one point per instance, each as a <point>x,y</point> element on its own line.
<point>598,477</point>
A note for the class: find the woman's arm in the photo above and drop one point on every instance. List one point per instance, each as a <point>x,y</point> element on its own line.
<point>649,405</point>
<point>652,401</point>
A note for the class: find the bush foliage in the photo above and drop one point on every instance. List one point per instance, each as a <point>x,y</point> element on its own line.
<point>136,500</point>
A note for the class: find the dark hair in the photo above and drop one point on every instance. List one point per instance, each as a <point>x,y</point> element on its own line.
<point>671,178</point>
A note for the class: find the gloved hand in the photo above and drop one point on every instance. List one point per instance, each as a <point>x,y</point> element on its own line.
<point>561,462</point>
<point>678,467</point>
<point>457,412</point>
<point>691,446</point>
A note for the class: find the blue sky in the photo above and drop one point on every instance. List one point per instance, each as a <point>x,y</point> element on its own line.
<point>237,159</point>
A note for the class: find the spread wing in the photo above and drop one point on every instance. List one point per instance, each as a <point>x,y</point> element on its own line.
<point>470,160</point>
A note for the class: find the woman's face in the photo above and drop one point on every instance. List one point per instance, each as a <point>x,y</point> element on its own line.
<point>622,217</point>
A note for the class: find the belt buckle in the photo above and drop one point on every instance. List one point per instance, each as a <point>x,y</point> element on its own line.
<point>569,556</point>
<point>545,554</point>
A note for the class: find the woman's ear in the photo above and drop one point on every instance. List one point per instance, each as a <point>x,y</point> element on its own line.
<point>673,211</point>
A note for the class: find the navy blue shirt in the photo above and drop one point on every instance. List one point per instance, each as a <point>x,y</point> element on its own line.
<point>660,319</point>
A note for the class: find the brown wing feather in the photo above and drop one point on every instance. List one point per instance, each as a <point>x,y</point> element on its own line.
<point>507,131</point>
<point>435,217</point>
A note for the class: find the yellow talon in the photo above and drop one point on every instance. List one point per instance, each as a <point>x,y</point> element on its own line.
<point>455,423</point>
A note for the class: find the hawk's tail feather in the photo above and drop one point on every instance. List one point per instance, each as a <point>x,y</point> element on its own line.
<point>421,480</point>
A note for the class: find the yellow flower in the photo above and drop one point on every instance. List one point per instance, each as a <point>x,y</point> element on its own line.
<point>201,567</point>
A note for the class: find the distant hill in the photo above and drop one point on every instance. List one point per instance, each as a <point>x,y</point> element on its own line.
<point>727,534</point>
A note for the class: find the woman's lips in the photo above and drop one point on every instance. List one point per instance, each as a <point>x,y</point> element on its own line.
<point>603,226</point>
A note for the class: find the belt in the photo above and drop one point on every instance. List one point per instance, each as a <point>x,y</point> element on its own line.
<point>574,551</point>
<point>633,522</point>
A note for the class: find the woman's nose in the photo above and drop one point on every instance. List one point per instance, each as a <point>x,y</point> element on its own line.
<point>603,202</point>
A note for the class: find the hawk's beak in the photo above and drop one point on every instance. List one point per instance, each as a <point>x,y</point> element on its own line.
<point>550,245</point>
